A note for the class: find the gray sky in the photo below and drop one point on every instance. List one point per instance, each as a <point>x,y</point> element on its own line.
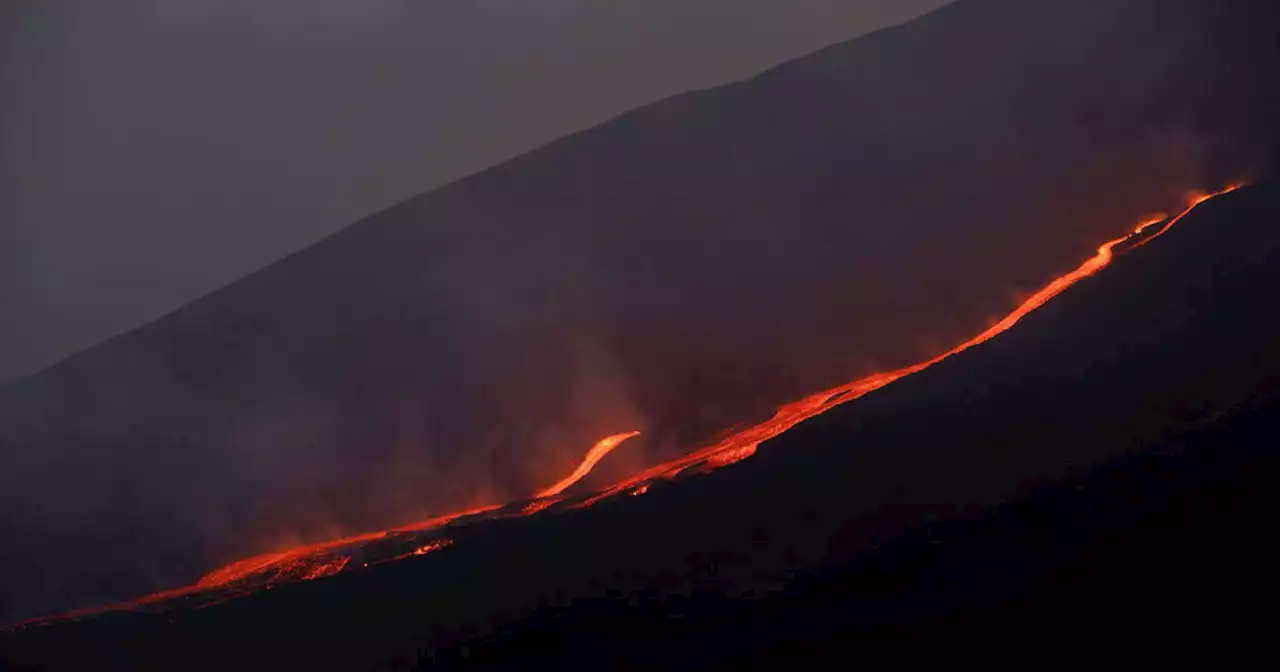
<point>154,150</point>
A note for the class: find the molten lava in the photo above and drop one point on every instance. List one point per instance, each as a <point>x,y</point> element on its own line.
<point>323,569</point>
<point>597,453</point>
<point>433,547</point>
<point>1196,200</point>
<point>299,562</point>
<point>328,558</point>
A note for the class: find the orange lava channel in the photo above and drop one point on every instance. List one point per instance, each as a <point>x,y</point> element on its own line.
<point>743,444</point>
<point>259,564</point>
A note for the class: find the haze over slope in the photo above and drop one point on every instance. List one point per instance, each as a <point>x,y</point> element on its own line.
<point>155,150</point>
<point>680,269</point>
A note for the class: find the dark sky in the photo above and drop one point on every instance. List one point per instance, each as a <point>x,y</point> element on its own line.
<point>153,150</point>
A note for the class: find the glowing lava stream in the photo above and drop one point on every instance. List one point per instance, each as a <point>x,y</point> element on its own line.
<point>311,561</point>
<point>743,444</point>
<point>324,559</point>
<point>738,446</point>
<point>597,453</point>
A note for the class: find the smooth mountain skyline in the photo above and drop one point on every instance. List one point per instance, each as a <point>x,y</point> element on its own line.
<point>155,151</point>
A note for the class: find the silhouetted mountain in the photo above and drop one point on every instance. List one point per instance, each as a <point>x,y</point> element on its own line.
<point>680,269</point>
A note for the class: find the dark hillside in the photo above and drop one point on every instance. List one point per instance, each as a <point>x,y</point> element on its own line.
<point>1099,475</point>
<point>680,269</point>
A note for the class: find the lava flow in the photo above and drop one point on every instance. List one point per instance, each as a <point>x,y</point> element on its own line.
<point>743,444</point>
<point>332,557</point>
<point>736,447</point>
<point>597,453</point>
<point>313,561</point>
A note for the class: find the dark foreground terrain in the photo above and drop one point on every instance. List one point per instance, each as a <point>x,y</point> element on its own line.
<point>1098,481</point>
<point>1160,556</point>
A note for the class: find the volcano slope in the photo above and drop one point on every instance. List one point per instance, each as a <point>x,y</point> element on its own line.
<point>684,268</point>
<point>1101,474</point>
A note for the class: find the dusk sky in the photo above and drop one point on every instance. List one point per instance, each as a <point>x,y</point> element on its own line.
<point>154,151</point>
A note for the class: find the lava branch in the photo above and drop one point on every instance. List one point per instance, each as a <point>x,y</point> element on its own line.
<point>597,453</point>
<point>1196,200</point>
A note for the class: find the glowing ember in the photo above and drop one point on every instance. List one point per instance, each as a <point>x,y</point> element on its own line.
<point>539,505</point>
<point>743,444</point>
<point>325,568</point>
<point>433,546</point>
